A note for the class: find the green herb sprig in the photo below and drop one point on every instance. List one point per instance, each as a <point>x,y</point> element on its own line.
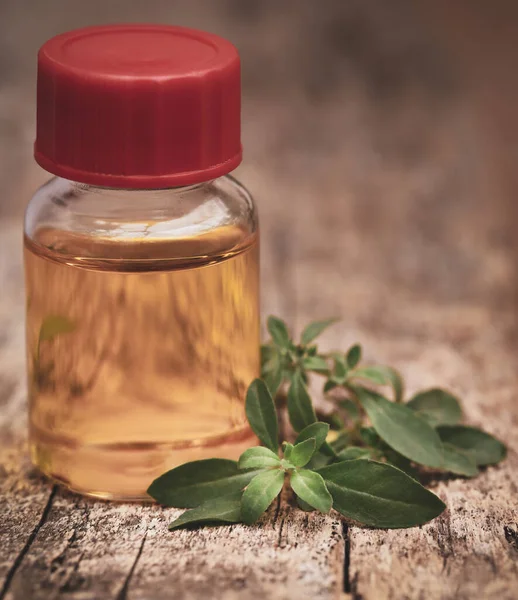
<point>424,431</point>
<point>366,467</point>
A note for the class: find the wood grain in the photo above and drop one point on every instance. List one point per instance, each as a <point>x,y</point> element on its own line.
<point>378,205</point>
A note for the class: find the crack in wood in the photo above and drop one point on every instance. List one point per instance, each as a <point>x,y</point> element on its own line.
<point>27,546</point>
<point>350,586</point>
<point>281,527</point>
<point>277,509</point>
<point>123,594</point>
<point>347,559</point>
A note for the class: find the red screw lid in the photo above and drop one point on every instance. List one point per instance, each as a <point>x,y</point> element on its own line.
<point>138,106</point>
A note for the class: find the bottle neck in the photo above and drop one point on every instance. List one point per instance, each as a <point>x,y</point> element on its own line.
<point>100,202</point>
<point>86,187</point>
<point>170,213</point>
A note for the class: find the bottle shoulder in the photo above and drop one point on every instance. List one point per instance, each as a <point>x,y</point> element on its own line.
<point>73,219</point>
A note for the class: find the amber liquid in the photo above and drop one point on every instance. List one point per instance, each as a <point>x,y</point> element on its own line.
<point>139,354</point>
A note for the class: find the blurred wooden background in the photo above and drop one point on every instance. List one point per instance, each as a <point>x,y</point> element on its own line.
<point>381,143</point>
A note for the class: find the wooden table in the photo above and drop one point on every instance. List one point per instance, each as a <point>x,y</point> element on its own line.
<point>380,204</point>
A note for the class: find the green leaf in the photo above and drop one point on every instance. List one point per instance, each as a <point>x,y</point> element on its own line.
<point>381,375</point>
<point>437,406</point>
<point>327,449</point>
<point>300,407</point>
<point>200,481</point>
<point>273,381</point>
<point>354,355</point>
<point>304,505</point>
<point>267,352</point>
<point>401,462</point>
<point>311,488</point>
<point>315,363</point>
<point>287,449</point>
<point>379,495</point>
<point>260,412</point>
<point>340,370</point>
<point>369,436</point>
<point>372,374</point>
<point>54,325</point>
<point>318,460</point>
<point>482,447</point>
<point>402,429</point>
<point>354,452</point>
<point>260,493</point>
<point>279,332</point>
<point>335,421</point>
<point>271,372</point>
<point>318,431</point>
<point>258,457</point>
<point>331,384</point>
<point>394,378</point>
<point>342,441</point>
<point>314,329</point>
<point>351,408</point>
<point>302,452</point>
<point>459,461</point>
<point>226,509</point>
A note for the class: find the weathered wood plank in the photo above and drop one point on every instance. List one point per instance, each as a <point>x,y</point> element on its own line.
<point>470,550</point>
<point>24,504</point>
<point>460,341</point>
<point>88,549</point>
<point>288,555</point>
<point>91,550</point>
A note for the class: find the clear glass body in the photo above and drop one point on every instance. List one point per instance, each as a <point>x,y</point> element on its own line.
<point>142,330</point>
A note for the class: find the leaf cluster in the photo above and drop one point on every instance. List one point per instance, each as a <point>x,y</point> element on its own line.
<point>364,461</point>
<point>225,491</point>
<point>426,431</point>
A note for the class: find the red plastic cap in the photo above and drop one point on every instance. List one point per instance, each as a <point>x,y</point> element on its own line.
<point>138,106</point>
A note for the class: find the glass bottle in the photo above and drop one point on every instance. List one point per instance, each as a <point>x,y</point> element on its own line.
<point>142,276</point>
